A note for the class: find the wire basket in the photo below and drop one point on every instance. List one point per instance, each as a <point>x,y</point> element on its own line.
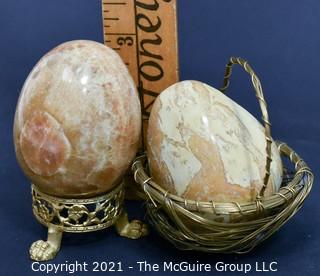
<point>195,225</point>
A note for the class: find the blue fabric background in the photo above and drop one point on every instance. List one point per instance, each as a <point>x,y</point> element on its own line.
<point>279,38</point>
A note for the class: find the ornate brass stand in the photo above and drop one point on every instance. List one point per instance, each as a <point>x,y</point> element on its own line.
<point>78,216</point>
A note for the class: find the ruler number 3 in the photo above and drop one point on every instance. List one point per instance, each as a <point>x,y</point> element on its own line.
<point>125,41</point>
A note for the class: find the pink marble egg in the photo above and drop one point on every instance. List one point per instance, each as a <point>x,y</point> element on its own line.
<point>78,120</point>
<point>203,146</point>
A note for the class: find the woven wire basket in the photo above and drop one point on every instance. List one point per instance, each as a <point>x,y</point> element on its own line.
<point>195,225</point>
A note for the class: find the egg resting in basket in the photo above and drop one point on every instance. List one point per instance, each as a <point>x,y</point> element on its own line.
<point>195,225</point>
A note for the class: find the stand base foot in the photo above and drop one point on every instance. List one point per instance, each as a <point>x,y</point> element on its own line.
<point>46,250</point>
<point>132,230</point>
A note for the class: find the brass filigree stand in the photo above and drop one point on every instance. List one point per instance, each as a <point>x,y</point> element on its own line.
<point>79,216</point>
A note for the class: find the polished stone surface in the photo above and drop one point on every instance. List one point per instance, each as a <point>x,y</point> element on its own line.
<point>204,146</point>
<point>78,120</point>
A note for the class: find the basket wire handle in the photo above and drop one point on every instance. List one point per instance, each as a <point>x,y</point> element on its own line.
<point>263,106</point>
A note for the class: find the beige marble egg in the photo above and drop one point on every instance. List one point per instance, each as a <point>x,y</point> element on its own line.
<point>203,146</point>
<point>78,120</point>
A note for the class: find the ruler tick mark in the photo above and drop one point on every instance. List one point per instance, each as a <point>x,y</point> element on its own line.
<point>119,33</point>
<point>115,3</point>
<point>111,18</point>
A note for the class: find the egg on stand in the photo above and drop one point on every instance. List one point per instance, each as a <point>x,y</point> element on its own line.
<point>76,131</point>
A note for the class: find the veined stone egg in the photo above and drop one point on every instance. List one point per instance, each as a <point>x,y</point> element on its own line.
<point>78,120</point>
<point>203,146</point>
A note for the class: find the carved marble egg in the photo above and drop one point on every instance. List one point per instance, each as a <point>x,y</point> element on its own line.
<point>78,120</point>
<point>203,146</point>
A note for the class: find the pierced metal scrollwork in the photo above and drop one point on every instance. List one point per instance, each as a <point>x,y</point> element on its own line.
<point>78,215</point>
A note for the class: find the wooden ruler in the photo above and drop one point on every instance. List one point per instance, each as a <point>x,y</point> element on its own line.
<point>144,33</point>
